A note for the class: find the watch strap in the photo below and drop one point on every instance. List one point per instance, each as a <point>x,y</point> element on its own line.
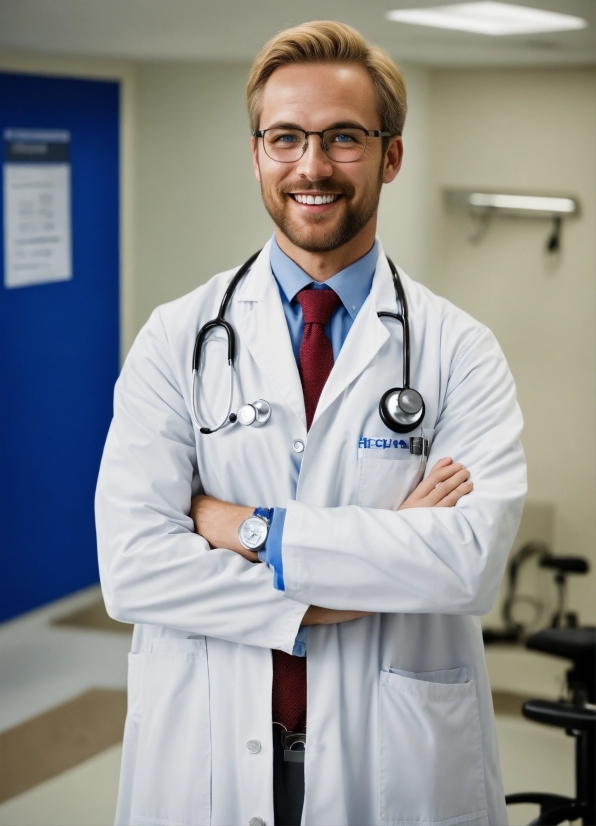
<point>264,513</point>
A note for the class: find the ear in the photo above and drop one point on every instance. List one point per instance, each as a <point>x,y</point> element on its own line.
<point>254,148</point>
<point>393,159</point>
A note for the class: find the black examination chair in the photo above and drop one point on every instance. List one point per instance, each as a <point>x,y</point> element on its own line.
<point>577,716</point>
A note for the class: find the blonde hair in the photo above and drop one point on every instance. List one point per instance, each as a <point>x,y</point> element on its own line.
<point>326,41</point>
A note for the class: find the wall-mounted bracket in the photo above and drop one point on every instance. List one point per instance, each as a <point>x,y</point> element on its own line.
<point>486,205</point>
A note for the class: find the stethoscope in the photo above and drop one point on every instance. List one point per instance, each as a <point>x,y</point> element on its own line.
<point>401,408</point>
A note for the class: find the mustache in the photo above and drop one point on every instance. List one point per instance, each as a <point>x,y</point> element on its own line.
<point>321,186</point>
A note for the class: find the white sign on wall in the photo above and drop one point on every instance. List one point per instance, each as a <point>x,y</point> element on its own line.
<point>37,210</point>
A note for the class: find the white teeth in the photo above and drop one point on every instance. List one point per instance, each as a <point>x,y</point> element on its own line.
<point>315,199</point>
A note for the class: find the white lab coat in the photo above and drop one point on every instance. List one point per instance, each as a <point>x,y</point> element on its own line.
<point>400,722</point>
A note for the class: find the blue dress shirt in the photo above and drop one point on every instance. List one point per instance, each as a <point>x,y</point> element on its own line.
<point>352,285</point>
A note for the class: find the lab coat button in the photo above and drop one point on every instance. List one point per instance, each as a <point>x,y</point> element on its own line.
<point>256,821</point>
<point>254,747</point>
<point>298,446</point>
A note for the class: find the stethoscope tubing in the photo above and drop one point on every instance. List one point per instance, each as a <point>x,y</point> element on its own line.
<point>403,318</point>
<point>220,321</point>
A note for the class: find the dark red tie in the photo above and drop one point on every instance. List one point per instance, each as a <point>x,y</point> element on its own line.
<point>316,353</point>
<point>316,362</point>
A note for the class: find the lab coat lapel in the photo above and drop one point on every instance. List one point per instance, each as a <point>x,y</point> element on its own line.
<point>264,331</point>
<point>365,339</point>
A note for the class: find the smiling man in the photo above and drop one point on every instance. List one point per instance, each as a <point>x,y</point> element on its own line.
<point>305,590</point>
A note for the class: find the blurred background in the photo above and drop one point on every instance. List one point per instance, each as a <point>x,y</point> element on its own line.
<point>127,182</point>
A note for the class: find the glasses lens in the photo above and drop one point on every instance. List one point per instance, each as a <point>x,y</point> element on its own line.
<point>345,145</point>
<point>284,144</point>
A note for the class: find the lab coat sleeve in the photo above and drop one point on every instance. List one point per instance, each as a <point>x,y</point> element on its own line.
<point>154,569</point>
<point>426,560</point>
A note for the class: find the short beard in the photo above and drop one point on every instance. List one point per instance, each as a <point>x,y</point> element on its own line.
<point>350,224</point>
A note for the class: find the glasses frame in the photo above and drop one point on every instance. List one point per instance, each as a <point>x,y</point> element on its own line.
<point>370,133</point>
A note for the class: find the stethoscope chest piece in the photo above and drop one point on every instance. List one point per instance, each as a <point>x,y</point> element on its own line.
<point>401,410</point>
<point>255,414</point>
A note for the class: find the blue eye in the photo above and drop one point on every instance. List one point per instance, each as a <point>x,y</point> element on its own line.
<point>285,138</point>
<point>342,138</point>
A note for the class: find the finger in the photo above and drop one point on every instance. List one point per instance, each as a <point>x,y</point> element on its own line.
<point>453,498</point>
<point>444,473</point>
<point>444,488</point>
<point>446,460</point>
<point>437,477</point>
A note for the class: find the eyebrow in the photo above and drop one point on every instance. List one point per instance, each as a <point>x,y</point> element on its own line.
<point>347,124</point>
<point>338,125</point>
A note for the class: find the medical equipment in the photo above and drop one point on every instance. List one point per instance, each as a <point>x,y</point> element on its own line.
<point>575,714</point>
<point>401,408</point>
<point>219,321</point>
<point>515,626</point>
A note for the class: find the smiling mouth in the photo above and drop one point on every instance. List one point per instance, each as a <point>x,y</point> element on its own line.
<point>316,200</point>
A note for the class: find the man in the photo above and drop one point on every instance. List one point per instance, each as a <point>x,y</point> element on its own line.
<point>353,582</point>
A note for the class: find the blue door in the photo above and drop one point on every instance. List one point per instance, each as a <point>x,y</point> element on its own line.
<point>59,340</point>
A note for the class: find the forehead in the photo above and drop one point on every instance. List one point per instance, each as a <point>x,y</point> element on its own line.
<point>315,95</point>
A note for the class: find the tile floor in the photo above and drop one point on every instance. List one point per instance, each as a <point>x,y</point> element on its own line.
<point>43,665</point>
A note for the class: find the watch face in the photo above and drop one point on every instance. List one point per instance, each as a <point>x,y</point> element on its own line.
<point>253,532</point>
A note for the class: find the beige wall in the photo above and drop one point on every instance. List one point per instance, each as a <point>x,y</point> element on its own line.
<point>198,208</point>
<point>407,209</point>
<point>530,130</point>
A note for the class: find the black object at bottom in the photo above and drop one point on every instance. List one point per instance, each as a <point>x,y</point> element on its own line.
<point>288,785</point>
<point>577,718</point>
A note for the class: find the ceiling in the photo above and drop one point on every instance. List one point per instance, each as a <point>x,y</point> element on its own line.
<point>236,29</point>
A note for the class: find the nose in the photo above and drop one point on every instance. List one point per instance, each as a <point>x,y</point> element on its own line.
<point>314,164</point>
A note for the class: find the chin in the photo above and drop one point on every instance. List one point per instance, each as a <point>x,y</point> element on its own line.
<point>314,239</point>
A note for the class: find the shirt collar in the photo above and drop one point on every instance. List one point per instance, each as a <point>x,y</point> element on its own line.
<point>352,284</point>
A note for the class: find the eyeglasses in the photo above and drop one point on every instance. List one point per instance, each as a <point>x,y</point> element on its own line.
<point>340,145</point>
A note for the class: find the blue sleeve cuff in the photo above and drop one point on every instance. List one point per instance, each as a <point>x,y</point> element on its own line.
<point>272,550</point>
<point>300,643</point>
<point>271,553</point>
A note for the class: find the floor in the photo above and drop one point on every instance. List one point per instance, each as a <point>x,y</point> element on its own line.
<point>62,683</point>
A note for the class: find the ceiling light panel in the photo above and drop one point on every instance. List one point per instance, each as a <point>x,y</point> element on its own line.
<point>490,18</point>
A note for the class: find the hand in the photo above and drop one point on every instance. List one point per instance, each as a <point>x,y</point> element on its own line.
<point>329,616</point>
<point>443,487</point>
<point>218,523</point>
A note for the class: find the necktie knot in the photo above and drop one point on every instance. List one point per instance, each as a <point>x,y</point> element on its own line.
<point>318,305</point>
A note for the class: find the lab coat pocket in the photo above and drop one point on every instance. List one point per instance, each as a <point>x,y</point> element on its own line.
<point>385,481</point>
<point>431,763</point>
<point>172,783</point>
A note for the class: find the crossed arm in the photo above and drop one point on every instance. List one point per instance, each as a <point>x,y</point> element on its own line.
<point>218,522</point>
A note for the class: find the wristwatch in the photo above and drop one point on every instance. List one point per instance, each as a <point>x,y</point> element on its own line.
<point>252,533</point>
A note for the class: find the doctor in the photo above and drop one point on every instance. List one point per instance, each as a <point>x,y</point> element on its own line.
<point>350,559</point>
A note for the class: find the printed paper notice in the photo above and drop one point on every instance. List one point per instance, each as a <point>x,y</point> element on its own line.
<point>37,230</point>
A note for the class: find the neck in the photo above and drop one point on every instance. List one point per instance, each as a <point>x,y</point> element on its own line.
<point>323,265</point>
